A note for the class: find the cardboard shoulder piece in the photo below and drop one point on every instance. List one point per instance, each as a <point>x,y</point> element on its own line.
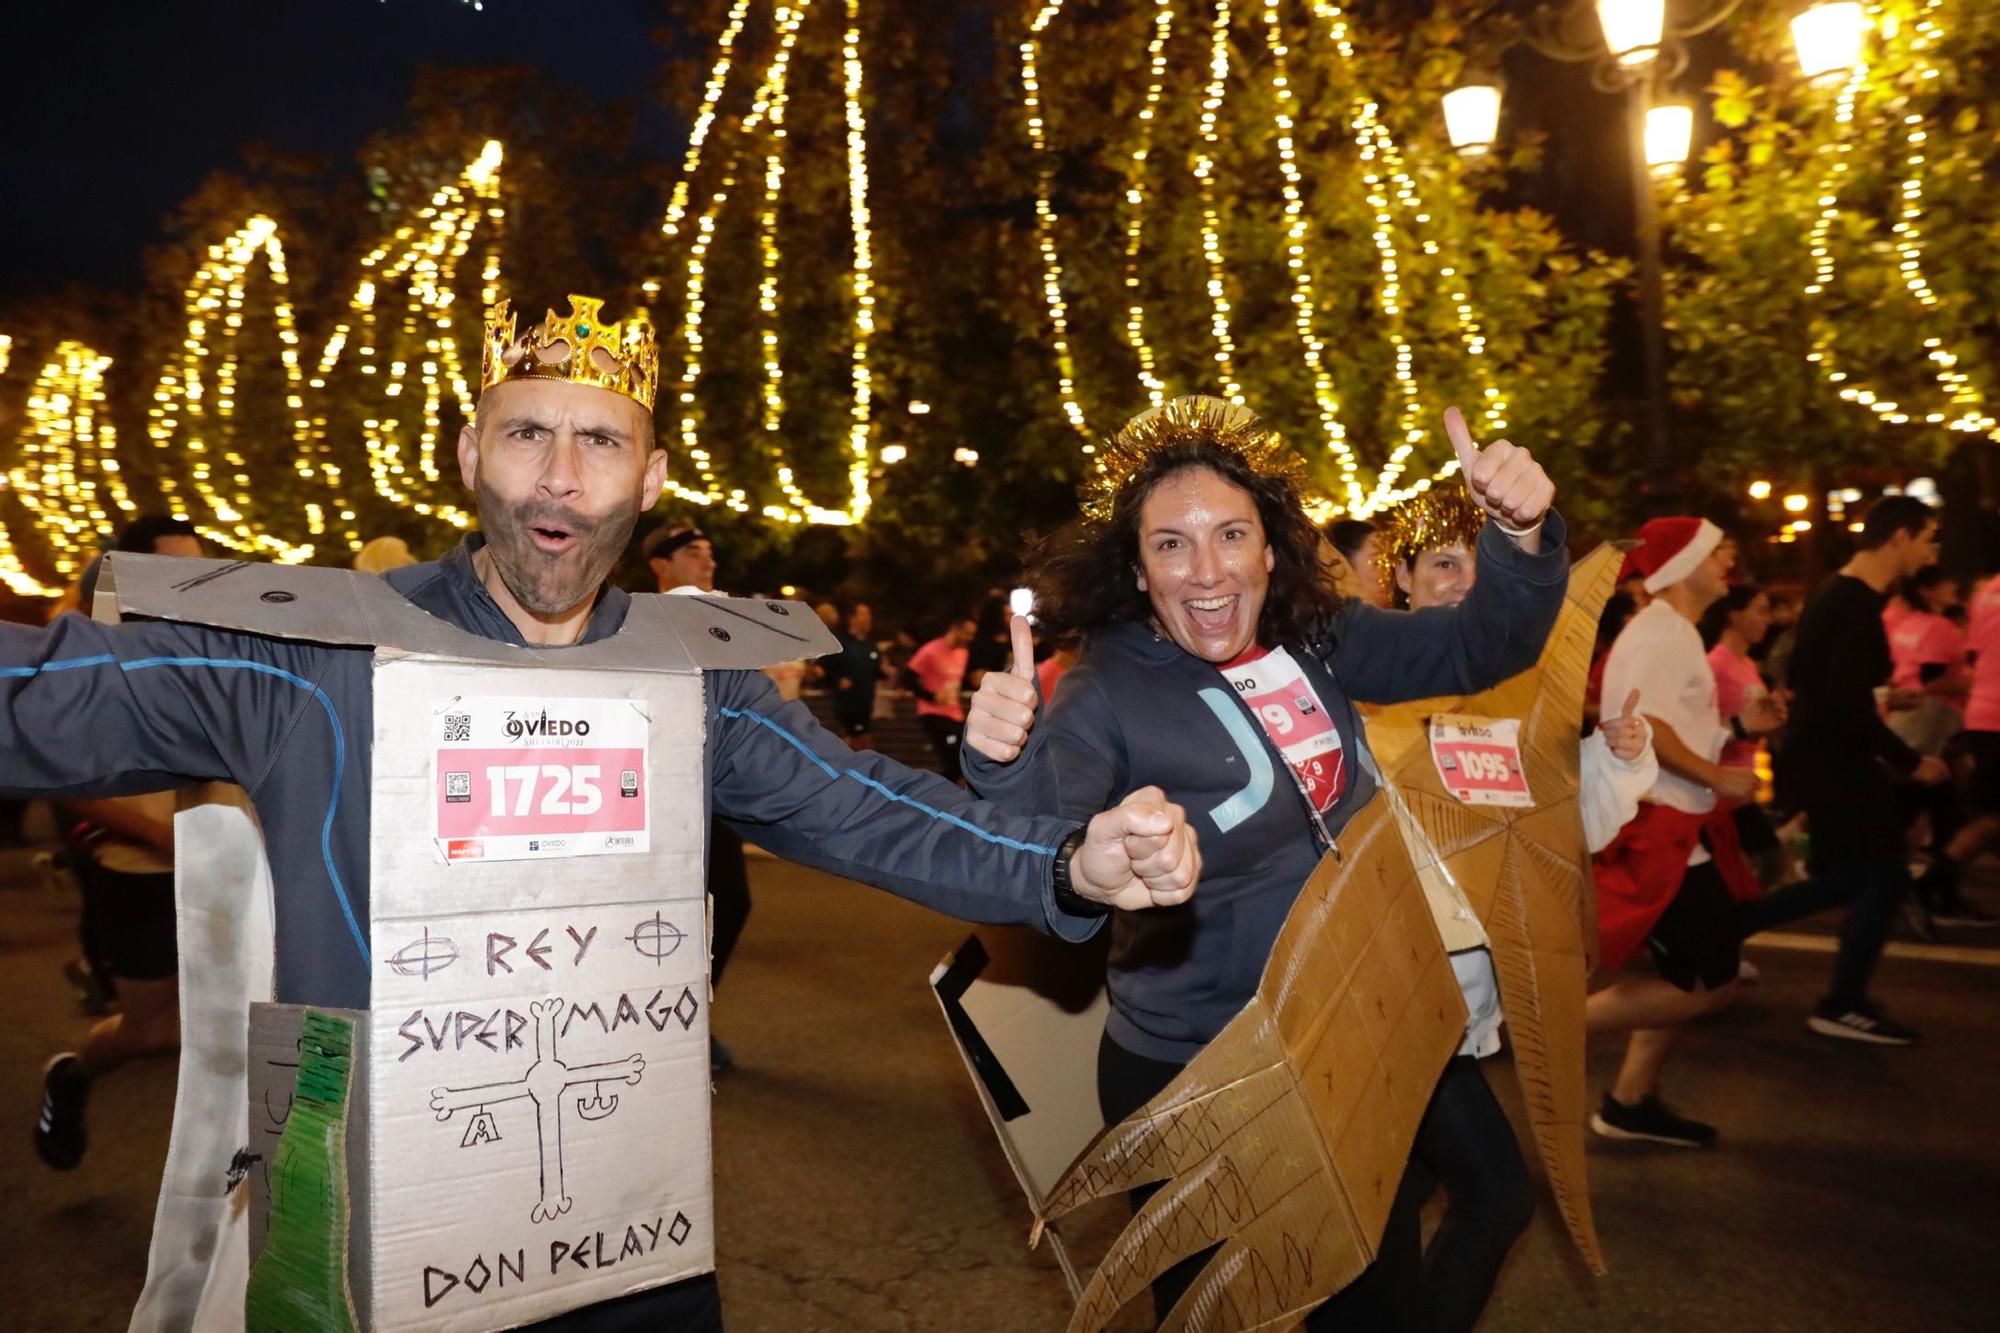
<point>1524,867</point>
<point>1283,1141</point>
<point>519,1124</point>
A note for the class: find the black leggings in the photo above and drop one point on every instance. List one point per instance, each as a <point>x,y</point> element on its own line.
<point>729,886</point>
<point>1464,1143</point>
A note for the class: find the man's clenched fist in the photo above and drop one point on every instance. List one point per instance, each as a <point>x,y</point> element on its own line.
<point>1140,853</point>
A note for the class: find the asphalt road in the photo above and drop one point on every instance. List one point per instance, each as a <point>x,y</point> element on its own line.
<point>859,1188</point>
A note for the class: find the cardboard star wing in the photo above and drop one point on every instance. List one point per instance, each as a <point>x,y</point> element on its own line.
<point>1527,873</point>
<point>1285,1138</point>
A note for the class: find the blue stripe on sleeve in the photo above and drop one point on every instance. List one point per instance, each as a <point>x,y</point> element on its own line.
<point>265,668</point>
<point>943,816</point>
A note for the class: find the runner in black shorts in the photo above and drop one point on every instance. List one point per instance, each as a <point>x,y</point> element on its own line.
<point>124,862</point>
<point>1694,944</point>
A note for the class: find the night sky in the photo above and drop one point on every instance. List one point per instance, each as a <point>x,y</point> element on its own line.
<point>119,111</point>
<point>122,110</point>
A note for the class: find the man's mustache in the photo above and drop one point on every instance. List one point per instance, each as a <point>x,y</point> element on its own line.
<point>554,516</point>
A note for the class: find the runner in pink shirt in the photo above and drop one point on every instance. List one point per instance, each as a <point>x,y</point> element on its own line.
<point>1938,889</point>
<point>1730,628</point>
<point>1926,637</point>
<point>936,675</point>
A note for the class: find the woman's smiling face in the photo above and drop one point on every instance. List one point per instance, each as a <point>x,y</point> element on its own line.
<point>1204,563</point>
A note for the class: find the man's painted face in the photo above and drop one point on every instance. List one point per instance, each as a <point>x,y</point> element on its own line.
<point>562,472</point>
<point>1204,563</point>
<point>1441,576</point>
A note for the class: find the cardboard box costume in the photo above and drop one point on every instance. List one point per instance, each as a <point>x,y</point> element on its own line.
<point>523,1110</point>
<point>1287,1135</point>
<point>1526,872</point>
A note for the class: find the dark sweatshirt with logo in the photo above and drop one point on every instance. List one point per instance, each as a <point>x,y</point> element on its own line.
<point>1138,711</point>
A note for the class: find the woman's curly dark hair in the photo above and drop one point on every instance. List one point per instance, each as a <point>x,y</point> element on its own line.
<point>1085,576</point>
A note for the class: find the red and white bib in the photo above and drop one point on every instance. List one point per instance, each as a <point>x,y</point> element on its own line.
<point>1270,682</point>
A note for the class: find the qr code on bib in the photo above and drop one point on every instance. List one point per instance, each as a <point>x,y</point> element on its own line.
<point>457,728</point>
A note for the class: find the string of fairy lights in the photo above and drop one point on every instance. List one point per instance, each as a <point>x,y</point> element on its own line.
<point>66,471</point>
<point>1969,412</point>
<point>1045,222</point>
<point>1396,208</point>
<point>403,339</point>
<point>1211,223</point>
<point>861,225</point>
<point>765,119</point>
<point>1305,310</point>
<point>13,573</point>
<point>1134,200</point>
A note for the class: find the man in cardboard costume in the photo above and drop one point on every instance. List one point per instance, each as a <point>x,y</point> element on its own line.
<point>484,784</point>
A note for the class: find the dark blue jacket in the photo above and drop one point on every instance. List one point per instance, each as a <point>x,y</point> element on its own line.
<point>1138,711</point>
<point>87,709</point>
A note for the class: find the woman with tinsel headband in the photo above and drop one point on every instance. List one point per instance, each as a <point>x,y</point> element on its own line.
<point>1428,547</point>
<point>1221,666</point>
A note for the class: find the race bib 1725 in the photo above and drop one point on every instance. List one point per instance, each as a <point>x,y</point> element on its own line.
<point>520,779</point>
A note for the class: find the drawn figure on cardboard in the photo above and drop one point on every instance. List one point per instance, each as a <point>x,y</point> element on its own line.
<point>547,1083</point>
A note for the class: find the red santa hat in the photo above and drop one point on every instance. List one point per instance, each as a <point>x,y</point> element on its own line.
<point>1670,549</point>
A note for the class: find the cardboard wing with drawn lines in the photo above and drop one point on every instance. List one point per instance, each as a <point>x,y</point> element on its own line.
<point>1285,1138</point>
<point>1526,873</point>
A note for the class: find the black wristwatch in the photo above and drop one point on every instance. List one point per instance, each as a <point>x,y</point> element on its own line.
<point>1067,898</point>
<point>1736,725</point>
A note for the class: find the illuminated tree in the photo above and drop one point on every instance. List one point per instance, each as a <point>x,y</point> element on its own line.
<point>1832,311</point>
<point>1256,199</point>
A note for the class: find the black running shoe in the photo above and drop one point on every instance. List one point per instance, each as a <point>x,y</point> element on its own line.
<point>59,1132</point>
<point>1651,1122</point>
<point>1863,1023</point>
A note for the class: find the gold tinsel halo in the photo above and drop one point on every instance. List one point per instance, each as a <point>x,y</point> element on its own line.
<point>1441,516</point>
<point>1177,422</point>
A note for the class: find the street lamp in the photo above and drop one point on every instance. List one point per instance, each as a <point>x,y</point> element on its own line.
<point>1669,134</point>
<point>1829,37</point>
<point>1472,117</point>
<point>1633,29</point>
<point>1637,48</point>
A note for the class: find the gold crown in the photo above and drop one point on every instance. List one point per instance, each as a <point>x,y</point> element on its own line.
<point>579,349</point>
<point>1441,516</point>
<point>1179,421</point>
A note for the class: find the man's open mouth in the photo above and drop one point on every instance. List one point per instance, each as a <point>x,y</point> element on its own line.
<point>552,538</point>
